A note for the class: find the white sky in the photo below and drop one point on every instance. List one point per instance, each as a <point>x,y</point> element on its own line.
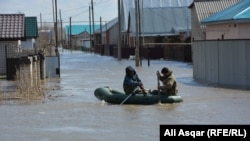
<point>78,10</point>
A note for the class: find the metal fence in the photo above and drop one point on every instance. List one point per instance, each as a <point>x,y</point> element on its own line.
<point>172,51</point>
<point>223,63</point>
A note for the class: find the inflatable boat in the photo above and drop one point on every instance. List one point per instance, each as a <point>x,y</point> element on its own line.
<point>113,96</point>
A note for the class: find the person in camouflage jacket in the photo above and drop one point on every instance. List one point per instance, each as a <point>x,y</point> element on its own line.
<point>168,80</point>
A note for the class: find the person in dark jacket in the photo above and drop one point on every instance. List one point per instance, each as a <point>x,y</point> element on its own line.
<point>132,81</point>
<point>168,80</point>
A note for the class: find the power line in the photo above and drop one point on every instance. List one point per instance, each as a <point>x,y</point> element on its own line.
<point>75,22</point>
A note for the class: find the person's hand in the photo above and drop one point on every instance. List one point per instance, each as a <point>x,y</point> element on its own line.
<point>158,74</point>
<point>140,84</point>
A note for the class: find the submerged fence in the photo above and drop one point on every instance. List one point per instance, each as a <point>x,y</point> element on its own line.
<point>173,51</point>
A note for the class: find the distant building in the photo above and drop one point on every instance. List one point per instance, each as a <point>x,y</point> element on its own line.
<point>78,36</point>
<point>45,36</point>
<point>159,21</point>
<point>126,6</point>
<point>107,37</point>
<point>107,34</point>
<point>160,24</point>
<point>158,18</point>
<point>81,40</point>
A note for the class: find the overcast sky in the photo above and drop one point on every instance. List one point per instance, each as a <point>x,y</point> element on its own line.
<point>78,10</point>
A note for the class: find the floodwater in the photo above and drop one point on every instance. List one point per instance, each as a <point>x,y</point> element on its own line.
<point>74,113</point>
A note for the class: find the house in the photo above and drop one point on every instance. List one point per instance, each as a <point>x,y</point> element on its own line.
<point>12,29</point>
<point>107,37</point>
<point>78,36</point>
<point>126,6</point>
<point>222,57</point>
<point>108,33</point>
<point>155,26</point>
<point>154,18</point>
<point>82,40</point>
<point>231,23</point>
<point>160,23</point>
<point>201,9</point>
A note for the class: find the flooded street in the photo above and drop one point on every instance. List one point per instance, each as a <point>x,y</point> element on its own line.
<point>76,114</point>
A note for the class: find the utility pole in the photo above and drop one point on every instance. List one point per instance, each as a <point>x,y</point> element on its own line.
<point>101,30</point>
<point>119,30</point>
<point>140,44</point>
<point>106,33</point>
<point>56,34</point>
<point>53,11</point>
<point>137,57</point>
<point>61,29</point>
<point>93,20</point>
<point>70,32</point>
<point>90,31</point>
<point>41,25</point>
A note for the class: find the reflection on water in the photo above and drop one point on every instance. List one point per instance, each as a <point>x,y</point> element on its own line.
<point>72,112</point>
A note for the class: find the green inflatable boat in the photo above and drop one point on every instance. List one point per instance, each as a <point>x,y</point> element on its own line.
<point>112,96</point>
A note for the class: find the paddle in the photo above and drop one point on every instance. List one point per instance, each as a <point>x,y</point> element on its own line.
<point>128,96</point>
<point>158,85</point>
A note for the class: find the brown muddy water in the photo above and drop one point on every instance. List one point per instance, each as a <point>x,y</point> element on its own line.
<point>74,113</point>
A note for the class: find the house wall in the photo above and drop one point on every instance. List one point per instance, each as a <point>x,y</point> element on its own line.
<point>2,59</point>
<point>223,63</point>
<point>86,43</point>
<point>10,53</point>
<point>105,37</point>
<point>228,31</point>
<point>77,41</point>
<point>28,44</point>
<point>244,30</point>
<point>113,35</point>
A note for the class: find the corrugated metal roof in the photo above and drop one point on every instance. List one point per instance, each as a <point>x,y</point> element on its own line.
<point>11,26</point>
<point>77,29</point>
<point>163,21</point>
<point>108,25</point>
<point>31,30</point>
<point>128,4</point>
<point>207,8</point>
<point>239,11</point>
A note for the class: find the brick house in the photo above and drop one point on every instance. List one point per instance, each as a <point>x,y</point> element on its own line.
<point>17,34</point>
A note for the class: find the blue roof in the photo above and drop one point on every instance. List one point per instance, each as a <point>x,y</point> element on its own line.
<point>76,29</point>
<point>237,12</point>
